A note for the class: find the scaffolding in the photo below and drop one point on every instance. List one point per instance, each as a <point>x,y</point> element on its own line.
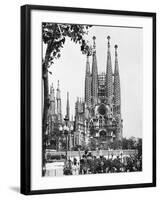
<point>101,86</point>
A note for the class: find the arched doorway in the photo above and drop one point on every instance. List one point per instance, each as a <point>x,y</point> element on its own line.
<point>102,134</point>
<point>102,109</point>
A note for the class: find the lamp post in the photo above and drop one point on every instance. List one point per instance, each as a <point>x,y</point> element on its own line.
<point>67,131</point>
<point>60,131</point>
<point>70,137</point>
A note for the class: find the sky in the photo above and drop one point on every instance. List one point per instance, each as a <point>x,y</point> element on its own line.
<point>70,71</point>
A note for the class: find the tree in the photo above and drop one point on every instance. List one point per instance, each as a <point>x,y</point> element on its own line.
<point>116,144</point>
<point>54,37</point>
<point>92,144</point>
<point>130,143</point>
<point>139,147</point>
<point>124,143</point>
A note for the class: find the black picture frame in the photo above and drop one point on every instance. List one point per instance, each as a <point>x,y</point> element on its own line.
<point>26,98</point>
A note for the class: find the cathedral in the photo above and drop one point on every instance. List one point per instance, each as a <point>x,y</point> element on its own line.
<point>56,122</point>
<point>98,116</point>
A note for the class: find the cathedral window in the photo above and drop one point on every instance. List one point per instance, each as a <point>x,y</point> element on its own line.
<point>102,109</point>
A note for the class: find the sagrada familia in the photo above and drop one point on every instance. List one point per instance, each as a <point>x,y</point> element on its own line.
<point>98,116</point>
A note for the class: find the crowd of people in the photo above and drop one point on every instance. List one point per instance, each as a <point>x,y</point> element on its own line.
<point>91,164</point>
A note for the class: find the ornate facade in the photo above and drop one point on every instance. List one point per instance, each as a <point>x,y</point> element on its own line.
<point>54,116</point>
<point>56,137</point>
<point>98,116</point>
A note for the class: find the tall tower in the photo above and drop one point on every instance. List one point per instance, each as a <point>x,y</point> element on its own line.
<point>58,99</point>
<point>88,84</point>
<point>94,83</point>
<point>117,89</point>
<point>52,100</point>
<point>67,107</point>
<point>117,96</point>
<point>109,81</point>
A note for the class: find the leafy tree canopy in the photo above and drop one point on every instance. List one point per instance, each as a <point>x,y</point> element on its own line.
<point>54,36</point>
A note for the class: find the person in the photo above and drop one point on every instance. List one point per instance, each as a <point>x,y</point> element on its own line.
<point>100,152</point>
<point>98,165</point>
<point>119,164</point>
<point>67,170</point>
<point>108,165</point>
<point>75,167</point>
<point>104,164</point>
<point>85,165</point>
<point>94,165</point>
<point>101,164</point>
<point>89,162</point>
<point>81,165</point>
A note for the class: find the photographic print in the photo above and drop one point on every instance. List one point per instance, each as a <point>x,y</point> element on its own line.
<point>88,99</point>
<point>94,114</point>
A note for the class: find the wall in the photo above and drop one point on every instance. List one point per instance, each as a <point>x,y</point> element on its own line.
<point>10,99</point>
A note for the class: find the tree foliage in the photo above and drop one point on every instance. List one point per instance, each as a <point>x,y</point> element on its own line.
<point>126,143</point>
<point>54,36</point>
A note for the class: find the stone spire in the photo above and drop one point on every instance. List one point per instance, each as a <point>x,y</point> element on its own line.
<point>88,84</point>
<point>58,96</point>
<point>94,82</point>
<point>52,100</point>
<point>117,96</point>
<point>67,107</point>
<point>117,89</point>
<point>109,81</point>
<point>58,99</point>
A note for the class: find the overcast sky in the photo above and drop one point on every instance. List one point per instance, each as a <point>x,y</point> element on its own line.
<point>70,71</point>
